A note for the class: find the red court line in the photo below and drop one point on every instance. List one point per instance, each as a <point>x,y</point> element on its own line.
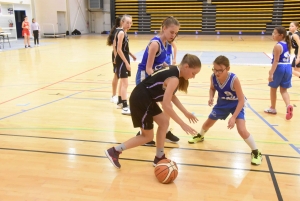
<point>53,83</point>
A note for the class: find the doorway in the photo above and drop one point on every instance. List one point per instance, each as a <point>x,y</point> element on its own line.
<point>61,22</point>
<point>19,18</point>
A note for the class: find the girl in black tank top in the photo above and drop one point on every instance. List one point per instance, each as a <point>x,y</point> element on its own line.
<point>160,86</point>
<point>295,40</point>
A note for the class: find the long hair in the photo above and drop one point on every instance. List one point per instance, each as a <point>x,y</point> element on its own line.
<point>110,38</point>
<point>194,62</point>
<point>296,24</point>
<point>282,30</point>
<point>168,22</point>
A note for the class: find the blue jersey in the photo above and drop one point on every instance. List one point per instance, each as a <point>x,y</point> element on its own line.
<point>285,55</point>
<point>169,49</point>
<point>227,100</point>
<point>159,57</point>
<point>225,90</point>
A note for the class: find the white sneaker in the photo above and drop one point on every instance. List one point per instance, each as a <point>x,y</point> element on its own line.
<point>126,111</point>
<point>270,111</point>
<point>114,99</point>
<point>120,106</point>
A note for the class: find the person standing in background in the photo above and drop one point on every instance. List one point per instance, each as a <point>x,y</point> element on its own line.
<point>26,32</point>
<point>35,27</point>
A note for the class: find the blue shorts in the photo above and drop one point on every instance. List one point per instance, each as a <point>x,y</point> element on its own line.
<point>282,76</point>
<point>140,76</point>
<point>223,108</point>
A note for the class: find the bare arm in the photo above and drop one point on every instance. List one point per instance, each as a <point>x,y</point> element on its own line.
<point>212,92</point>
<point>276,51</point>
<point>174,52</point>
<point>119,49</point>
<point>240,105</point>
<point>152,49</point>
<point>179,105</point>
<point>172,84</point>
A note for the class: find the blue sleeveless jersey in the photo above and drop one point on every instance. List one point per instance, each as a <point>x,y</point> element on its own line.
<point>225,91</point>
<point>159,57</point>
<point>169,48</point>
<point>285,55</point>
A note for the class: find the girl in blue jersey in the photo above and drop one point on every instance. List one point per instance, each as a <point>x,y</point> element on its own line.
<point>230,100</point>
<point>280,74</point>
<point>122,62</point>
<point>154,58</point>
<point>160,86</point>
<point>109,42</point>
<point>294,29</point>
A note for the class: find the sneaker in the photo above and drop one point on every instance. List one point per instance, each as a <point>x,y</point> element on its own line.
<point>126,111</point>
<point>156,160</point>
<point>195,139</point>
<point>119,105</point>
<point>38,45</point>
<point>25,46</point>
<point>270,111</point>
<point>29,46</point>
<point>289,112</point>
<point>113,156</point>
<point>171,138</point>
<point>114,99</point>
<point>151,143</point>
<point>256,158</point>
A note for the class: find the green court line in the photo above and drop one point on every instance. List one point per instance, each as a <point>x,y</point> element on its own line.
<point>132,133</point>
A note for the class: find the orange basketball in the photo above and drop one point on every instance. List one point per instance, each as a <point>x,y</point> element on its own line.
<point>166,171</point>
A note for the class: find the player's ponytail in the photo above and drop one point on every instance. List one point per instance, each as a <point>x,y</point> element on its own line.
<point>194,62</point>
<point>282,31</point>
<point>110,38</point>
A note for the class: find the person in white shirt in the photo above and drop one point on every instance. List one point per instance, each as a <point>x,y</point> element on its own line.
<point>35,27</point>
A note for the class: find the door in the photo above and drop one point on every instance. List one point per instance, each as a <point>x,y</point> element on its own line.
<point>61,22</point>
<point>19,18</point>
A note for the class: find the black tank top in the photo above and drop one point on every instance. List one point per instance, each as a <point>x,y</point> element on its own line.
<point>294,44</point>
<point>155,82</point>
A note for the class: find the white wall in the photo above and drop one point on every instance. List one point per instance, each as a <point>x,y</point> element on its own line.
<point>46,13</point>
<point>16,1</point>
<point>100,21</point>
<point>78,18</point>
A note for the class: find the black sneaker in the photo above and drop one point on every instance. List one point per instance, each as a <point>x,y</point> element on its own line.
<point>156,160</point>
<point>171,138</point>
<point>25,46</point>
<point>151,143</point>
<point>113,155</point>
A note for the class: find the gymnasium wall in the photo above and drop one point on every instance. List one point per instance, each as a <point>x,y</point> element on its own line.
<point>210,17</point>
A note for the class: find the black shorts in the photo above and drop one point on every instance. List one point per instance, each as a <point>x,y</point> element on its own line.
<point>294,63</point>
<point>142,108</point>
<point>121,69</point>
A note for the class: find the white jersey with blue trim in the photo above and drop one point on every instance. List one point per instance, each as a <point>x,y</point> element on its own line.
<point>225,90</point>
<point>160,56</point>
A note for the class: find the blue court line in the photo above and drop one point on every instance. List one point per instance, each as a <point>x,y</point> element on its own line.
<point>274,129</point>
<point>23,111</point>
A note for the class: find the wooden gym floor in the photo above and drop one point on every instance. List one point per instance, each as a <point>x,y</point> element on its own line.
<point>57,120</point>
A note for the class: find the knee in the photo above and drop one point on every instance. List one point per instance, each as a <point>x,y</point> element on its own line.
<point>164,122</point>
<point>244,133</point>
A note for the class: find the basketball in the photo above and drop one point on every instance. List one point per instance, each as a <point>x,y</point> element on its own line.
<point>166,171</point>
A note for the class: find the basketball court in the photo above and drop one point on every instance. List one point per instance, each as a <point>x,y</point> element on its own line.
<point>57,120</point>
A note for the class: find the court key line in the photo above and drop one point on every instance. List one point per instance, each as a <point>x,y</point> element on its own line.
<point>53,83</point>
<point>141,160</point>
<point>274,129</point>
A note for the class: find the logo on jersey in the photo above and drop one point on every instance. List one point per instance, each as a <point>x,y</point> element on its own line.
<point>229,96</point>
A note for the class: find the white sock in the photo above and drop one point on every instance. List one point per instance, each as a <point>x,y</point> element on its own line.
<point>250,142</point>
<point>202,132</point>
